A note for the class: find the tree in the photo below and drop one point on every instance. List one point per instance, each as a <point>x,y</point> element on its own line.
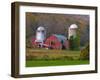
<point>74,43</point>
<point>71,43</point>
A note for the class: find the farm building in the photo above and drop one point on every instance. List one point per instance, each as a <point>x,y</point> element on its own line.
<point>57,42</point>
<point>37,44</point>
<point>53,42</point>
<point>40,36</point>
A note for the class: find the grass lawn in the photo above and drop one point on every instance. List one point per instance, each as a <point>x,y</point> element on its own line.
<point>32,63</point>
<point>66,57</point>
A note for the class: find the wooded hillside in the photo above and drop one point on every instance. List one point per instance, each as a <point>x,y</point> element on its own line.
<point>57,24</point>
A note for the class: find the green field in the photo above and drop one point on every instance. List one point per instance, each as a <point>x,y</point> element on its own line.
<point>54,63</point>
<point>43,57</point>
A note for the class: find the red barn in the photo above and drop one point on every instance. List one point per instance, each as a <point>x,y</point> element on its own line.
<point>57,42</point>
<point>53,42</point>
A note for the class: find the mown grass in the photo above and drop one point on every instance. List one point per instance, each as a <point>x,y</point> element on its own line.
<point>41,53</point>
<point>55,63</point>
<point>43,57</point>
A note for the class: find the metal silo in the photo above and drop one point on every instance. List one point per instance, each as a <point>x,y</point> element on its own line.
<point>40,35</point>
<point>72,31</point>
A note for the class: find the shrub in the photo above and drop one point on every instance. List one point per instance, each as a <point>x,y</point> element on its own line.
<point>85,53</point>
<point>28,44</point>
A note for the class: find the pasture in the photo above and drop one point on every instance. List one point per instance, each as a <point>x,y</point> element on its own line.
<point>43,57</point>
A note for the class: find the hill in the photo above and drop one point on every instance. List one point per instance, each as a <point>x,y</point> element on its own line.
<point>57,24</point>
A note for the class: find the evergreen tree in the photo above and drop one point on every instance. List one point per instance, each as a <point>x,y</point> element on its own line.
<point>74,43</point>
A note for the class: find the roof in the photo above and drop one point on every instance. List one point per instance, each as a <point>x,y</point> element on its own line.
<point>61,38</point>
<point>40,28</point>
<point>73,26</point>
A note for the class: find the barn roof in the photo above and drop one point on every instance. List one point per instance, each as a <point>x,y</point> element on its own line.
<point>60,37</point>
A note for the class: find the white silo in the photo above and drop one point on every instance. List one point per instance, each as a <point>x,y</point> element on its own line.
<point>72,31</point>
<point>40,35</point>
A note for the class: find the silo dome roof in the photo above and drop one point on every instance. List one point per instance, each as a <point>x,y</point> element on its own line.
<point>73,26</point>
<point>40,28</point>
